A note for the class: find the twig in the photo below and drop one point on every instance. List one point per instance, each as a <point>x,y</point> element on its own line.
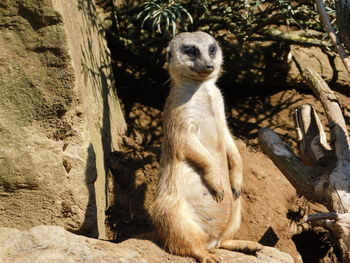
<point>335,40</point>
<point>321,216</point>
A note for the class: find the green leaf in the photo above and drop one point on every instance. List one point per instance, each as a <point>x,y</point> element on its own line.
<point>145,19</point>
<point>174,27</point>
<point>167,22</point>
<point>160,23</point>
<point>188,15</point>
<point>154,24</point>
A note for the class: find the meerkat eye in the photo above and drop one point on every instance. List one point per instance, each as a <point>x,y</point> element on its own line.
<point>212,50</point>
<point>190,51</point>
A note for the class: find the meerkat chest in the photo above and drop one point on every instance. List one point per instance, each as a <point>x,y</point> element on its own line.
<point>208,116</point>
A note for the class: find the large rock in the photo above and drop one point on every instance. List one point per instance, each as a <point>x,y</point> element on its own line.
<point>59,115</point>
<point>49,244</point>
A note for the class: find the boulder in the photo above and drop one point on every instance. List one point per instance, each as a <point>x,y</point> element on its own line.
<point>49,244</point>
<point>59,115</point>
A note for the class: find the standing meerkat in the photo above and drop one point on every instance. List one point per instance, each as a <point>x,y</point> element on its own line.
<point>197,203</point>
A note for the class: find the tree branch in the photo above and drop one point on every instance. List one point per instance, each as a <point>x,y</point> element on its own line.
<point>311,136</point>
<point>339,224</point>
<point>300,176</point>
<point>321,216</point>
<point>274,34</point>
<point>335,117</point>
<point>337,44</point>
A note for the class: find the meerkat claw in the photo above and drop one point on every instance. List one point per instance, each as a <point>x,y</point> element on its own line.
<point>236,193</point>
<point>218,195</point>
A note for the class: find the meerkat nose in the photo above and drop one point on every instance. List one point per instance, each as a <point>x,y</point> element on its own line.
<point>209,66</point>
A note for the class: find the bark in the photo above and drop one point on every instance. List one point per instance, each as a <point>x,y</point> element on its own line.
<point>323,173</point>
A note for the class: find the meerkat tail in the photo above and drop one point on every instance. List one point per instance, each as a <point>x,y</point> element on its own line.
<point>241,245</point>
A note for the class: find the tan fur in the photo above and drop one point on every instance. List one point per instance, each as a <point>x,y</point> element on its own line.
<point>197,205</point>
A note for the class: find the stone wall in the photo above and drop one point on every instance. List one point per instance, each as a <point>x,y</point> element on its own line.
<point>59,115</point>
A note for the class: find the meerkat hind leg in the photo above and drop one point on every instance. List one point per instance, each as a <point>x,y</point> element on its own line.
<point>245,246</point>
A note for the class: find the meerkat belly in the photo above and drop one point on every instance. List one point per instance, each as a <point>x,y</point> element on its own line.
<point>199,203</point>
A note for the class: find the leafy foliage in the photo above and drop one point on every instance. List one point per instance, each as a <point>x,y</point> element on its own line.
<point>240,17</point>
<point>164,14</point>
<point>142,30</point>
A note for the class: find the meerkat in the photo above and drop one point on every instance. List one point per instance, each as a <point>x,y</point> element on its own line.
<point>197,204</point>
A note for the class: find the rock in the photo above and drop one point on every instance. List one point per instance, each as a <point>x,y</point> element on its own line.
<point>154,254</point>
<point>59,115</point>
<point>273,255</point>
<point>267,255</point>
<point>48,244</point>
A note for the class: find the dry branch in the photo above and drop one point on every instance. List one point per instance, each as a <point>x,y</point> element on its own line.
<point>300,176</point>
<point>339,224</point>
<point>322,216</point>
<point>313,145</point>
<point>332,108</point>
<point>274,34</point>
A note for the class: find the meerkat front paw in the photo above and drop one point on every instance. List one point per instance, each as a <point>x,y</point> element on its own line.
<point>218,193</point>
<point>236,184</point>
<point>236,193</point>
<point>236,187</point>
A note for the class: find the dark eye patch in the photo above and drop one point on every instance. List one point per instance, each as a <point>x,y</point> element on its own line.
<point>212,49</point>
<point>191,51</point>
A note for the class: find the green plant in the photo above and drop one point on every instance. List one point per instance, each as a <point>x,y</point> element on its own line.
<point>163,14</point>
<point>143,29</point>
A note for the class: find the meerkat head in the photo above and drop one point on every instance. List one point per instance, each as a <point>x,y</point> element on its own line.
<point>194,56</point>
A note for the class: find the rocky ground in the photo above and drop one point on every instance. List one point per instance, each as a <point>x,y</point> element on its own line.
<point>49,244</point>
